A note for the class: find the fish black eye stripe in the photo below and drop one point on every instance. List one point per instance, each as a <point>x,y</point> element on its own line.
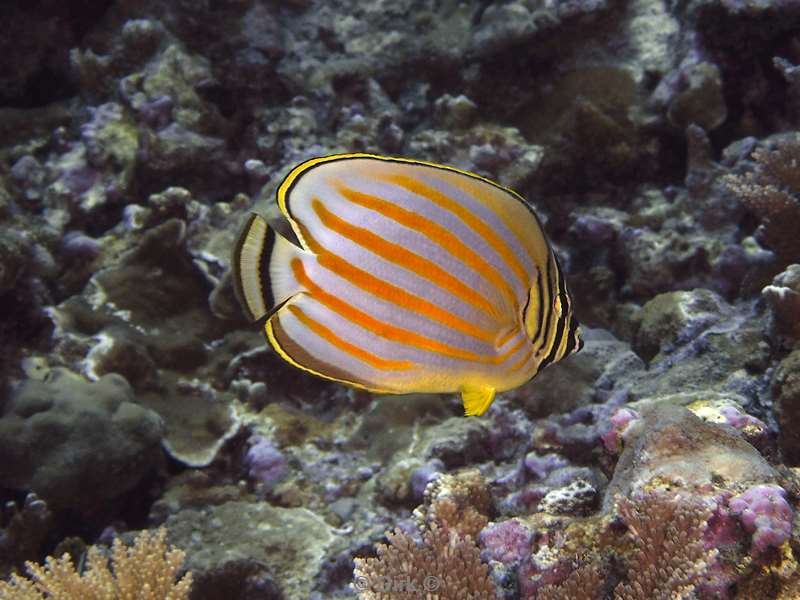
<point>237,267</point>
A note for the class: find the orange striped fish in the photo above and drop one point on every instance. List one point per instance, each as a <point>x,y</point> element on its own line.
<point>398,276</point>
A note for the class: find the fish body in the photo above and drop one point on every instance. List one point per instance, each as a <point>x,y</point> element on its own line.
<point>399,276</point>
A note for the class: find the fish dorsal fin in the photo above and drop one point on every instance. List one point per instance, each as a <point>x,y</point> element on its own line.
<point>476,399</point>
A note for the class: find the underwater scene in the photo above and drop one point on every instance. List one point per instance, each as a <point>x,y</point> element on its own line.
<point>393,300</point>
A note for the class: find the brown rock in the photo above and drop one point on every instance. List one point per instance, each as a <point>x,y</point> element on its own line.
<point>786,394</point>
<point>673,447</point>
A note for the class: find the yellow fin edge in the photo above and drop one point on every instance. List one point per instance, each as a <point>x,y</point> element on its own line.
<point>282,193</point>
<point>477,400</point>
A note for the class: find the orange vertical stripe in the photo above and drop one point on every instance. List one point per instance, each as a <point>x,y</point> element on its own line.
<point>403,257</point>
<point>379,328</point>
<point>401,298</point>
<point>520,363</point>
<point>392,293</point>
<point>351,349</point>
<point>507,336</point>
<point>473,221</point>
<point>436,233</point>
<point>529,233</point>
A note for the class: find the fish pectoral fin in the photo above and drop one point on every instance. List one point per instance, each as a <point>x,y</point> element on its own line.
<point>476,399</point>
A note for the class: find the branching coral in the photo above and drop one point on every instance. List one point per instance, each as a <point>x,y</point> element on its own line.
<point>772,193</point>
<point>668,552</point>
<point>446,567</point>
<point>663,551</point>
<point>145,571</point>
<point>586,582</point>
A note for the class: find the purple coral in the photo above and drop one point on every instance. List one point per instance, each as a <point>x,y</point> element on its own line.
<point>540,466</point>
<point>620,420</point>
<point>265,463</point>
<point>423,475</point>
<point>766,514</point>
<point>739,420</point>
<point>752,429</point>
<point>506,542</point>
<point>722,531</point>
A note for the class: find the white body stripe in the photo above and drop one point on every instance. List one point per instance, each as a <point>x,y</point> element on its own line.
<point>388,312</point>
<point>395,274</point>
<point>448,221</point>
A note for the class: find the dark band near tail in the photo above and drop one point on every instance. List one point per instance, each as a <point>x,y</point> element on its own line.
<point>251,277</point>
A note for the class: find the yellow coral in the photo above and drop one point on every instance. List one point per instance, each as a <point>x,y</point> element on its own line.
<point>145,571</point>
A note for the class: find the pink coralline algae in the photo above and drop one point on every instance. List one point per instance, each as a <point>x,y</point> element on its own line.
<point>766,514</point>
<point>752,429</point>
<point>723,533</point>
<point>620,420</point>
<point>506,542</point>
<point>540,466</point>
<point>736,418</point>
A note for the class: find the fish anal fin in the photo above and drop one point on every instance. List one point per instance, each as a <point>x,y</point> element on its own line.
<point>476,399</point>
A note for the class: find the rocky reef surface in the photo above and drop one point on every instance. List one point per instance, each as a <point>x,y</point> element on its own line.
<point>659,142</point>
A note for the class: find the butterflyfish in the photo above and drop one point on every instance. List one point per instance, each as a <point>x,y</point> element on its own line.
<point>397,276</point>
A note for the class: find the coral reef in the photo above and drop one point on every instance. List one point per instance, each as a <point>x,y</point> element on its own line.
<point>24,530</point>
<point>251,547</point>
<point>772,192</point>
<point>786,391</point>
<point>668,555</point>
<point>658,144</point>
<point>783,295</point>
<point>663,549</point>
<point>457,503</point>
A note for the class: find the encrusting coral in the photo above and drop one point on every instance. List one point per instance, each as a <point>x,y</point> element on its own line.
<point>145,571</point>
